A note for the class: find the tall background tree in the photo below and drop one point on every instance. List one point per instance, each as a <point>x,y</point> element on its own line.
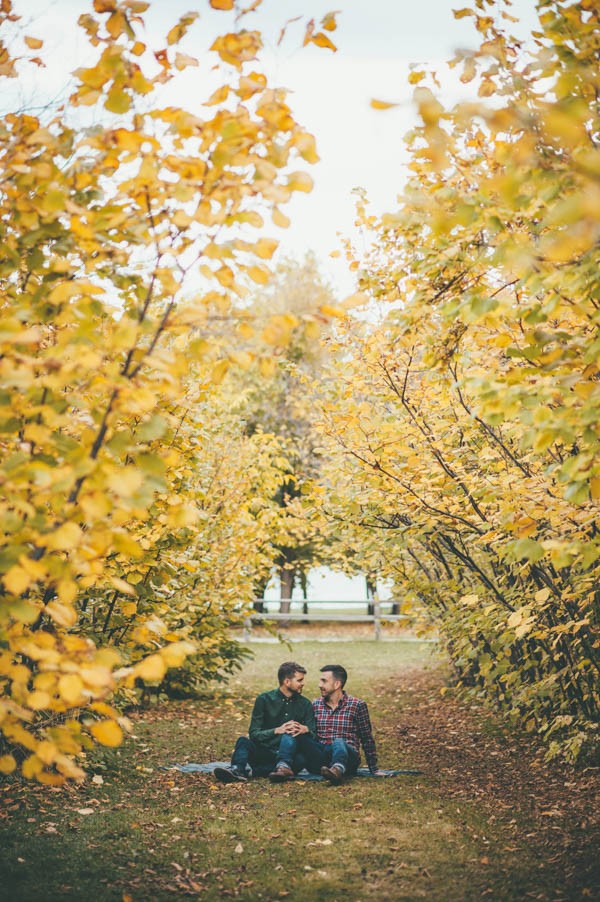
<point>275,402</point>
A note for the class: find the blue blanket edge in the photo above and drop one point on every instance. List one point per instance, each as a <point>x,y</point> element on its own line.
<point>302,776</point>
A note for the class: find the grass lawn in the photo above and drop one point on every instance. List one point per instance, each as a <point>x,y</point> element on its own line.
<point>136,832</point>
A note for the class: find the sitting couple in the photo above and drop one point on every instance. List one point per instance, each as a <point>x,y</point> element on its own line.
<point>287,733</point>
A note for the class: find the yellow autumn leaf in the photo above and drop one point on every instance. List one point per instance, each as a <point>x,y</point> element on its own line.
<point>16,580</point>
<point>70,688</point>
<point>595,487</point>
<point>123,586</point>
<point>68,768</point>
<point>515,618</point>
<point>242,358</point>
<point>280,219</point>
<point>182,515</point>
<point>62,614</point>
<point>250,85</point>
<point>328,21</point>
<point>300,181</point>
<point>329,310</point>
<point>39,700</point>
<point>222,4</point>
<point>382,104</point>
<point>321,40</point>
<point>307,146</point>
<point>126,481</point>
<point>98,677</point>
<point>48,778</point>
<point>524,628</point>
<point>184,60</point>
<point>267,366</point>
<point>47,751</point>
<point>175,654</point>
<point>31,767</point>
<point>66,591</point>
<point>33,43</point>
<point>107,732</point>
<point>258,274</point>
<point>7,764</point>
<point>487,88</point>
<point>117,101</point>
<point>265,248</point>
<point>64,538</point>
<point>152,669</point>
<point>219,371</point>
<point>103,708</point>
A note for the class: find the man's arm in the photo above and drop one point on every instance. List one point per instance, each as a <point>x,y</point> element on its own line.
<point>258,732</point>
<point>365,732</point>
<point>311,722</point>
<point>308,724</point>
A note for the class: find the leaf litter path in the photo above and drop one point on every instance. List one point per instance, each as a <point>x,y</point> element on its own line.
<point>547,810</point>
<point>488,818</point>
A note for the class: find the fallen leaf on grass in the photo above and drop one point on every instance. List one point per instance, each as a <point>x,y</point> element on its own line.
<point>85,810</point>
<point>239,848</point>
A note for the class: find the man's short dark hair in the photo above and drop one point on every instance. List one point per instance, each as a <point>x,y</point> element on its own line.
<point>337,671</point>
<point>288,669</point>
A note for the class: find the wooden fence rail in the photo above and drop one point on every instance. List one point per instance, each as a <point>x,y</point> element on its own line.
<point>371,613</point>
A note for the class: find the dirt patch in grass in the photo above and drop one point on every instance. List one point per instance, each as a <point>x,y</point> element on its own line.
<point>550,810</point>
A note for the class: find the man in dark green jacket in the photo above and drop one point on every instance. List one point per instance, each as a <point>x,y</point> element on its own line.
<point>278,718</point>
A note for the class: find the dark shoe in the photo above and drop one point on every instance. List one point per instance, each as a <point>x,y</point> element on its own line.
<point>334,774</point>
<point>229,775</point>
<point>281,773</point>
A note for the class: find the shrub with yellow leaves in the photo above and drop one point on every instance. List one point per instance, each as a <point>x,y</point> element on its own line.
<point>466,427</point>
<point>124,253</point>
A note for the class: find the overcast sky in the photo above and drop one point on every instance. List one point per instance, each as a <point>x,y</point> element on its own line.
<point>331,92</point>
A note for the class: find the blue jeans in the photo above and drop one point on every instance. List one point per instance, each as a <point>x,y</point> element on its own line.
<point>315,755</point>
<point>262,759</point>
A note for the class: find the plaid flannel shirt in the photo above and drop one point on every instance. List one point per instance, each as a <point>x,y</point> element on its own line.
<point>349,721</point>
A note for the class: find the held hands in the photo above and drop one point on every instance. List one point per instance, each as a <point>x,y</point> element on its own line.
<point>292,727</point>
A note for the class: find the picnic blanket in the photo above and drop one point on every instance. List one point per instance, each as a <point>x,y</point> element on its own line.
<point>303,775</point>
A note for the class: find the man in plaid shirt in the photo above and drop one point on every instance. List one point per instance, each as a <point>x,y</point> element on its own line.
<point>343,725</point>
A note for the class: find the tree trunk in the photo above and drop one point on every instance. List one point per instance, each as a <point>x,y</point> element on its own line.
<point>371,590</point>
<point>286,578</point>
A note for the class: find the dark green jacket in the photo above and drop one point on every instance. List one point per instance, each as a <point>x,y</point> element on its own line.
<point>272,709</point>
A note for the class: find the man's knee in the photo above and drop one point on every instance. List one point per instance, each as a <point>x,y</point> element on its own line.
<point>243,742</point>
<point>340,745</point>
<point>288,743</point>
